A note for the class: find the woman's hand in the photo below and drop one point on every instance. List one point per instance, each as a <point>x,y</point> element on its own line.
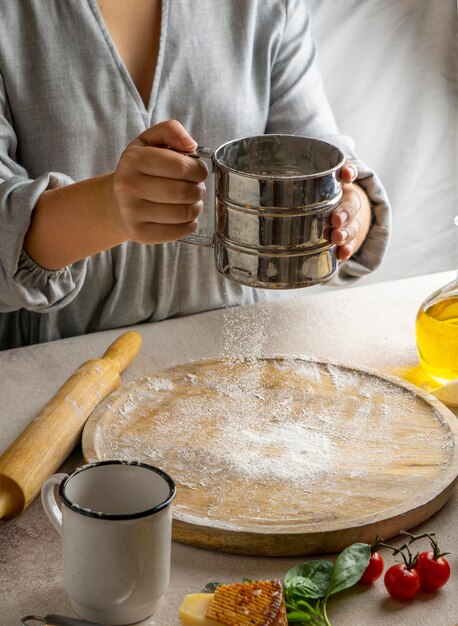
<point>351,220</point>
<point>154,196</point>
<point>158,193</point>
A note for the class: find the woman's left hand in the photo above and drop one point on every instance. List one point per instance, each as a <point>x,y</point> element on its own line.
<point>351,220</point>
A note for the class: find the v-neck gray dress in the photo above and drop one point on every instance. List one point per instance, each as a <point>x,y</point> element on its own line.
<point>68,107</point>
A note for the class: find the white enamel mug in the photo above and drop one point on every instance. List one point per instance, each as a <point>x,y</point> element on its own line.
<point>115,518</point>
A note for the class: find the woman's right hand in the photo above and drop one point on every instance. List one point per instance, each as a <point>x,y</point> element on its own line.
<point>158,193</point>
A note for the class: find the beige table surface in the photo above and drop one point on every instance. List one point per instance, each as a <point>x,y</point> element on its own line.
<point>368,326</point>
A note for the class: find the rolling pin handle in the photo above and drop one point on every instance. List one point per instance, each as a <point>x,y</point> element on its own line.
<point>49,502</point>
<point>124,350</point>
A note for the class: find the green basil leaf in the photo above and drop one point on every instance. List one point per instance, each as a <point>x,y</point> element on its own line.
<point>211,587</point>
<point>309,580</point>
<point>349,567</point>
<point>298,617</point>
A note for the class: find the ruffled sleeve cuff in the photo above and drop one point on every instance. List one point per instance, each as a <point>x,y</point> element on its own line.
<point>24,283</point>
<point>42,289</point>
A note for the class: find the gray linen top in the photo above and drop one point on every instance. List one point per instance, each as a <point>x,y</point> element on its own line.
<point>68,107</point>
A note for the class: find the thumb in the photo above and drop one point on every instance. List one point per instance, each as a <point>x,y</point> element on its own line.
<point>170,133</point>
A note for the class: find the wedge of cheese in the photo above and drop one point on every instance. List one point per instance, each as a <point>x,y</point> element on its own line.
<point>239,604</point>
<point>194,608</point>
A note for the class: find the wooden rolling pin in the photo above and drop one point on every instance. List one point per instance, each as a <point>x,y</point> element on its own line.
<point>48,440</point>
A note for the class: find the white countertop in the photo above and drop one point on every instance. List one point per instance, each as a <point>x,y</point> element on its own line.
<point>366,326</point>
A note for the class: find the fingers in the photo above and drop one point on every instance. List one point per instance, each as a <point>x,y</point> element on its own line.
<point>161,190</point>
<point>349,172</point>
<point>160,210</point>
<point>346,250</point>
<point>145,212</point>
<point>164,163</point>
<point>152,232</point>
<point>345,236</point>
<point>158,192</point>
<point>346,223</point>
<point>170,133</point>
<point>163,233</point>
<point>346,213</point>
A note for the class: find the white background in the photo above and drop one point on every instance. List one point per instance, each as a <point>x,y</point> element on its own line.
<point>390,72</point>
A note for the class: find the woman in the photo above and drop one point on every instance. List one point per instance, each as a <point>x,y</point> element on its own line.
<point>89,228</point>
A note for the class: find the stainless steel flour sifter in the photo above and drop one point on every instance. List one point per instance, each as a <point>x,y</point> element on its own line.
<point>274,195</point>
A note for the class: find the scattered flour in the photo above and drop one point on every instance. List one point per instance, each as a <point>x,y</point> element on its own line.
<point>245,332</point>
<point>281,431</point>
<point>290,428</point>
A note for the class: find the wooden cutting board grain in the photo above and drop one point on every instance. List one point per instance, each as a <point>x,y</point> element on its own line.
<point>283,456</point>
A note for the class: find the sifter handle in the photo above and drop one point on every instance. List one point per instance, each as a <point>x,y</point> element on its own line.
<point>195,238</point>
<point>56,620</point>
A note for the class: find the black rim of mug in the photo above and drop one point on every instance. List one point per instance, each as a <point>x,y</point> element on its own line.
<point>122,516</point>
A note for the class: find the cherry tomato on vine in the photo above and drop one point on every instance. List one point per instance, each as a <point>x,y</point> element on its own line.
<point>374,569</point>
<point>401,582</point>
<point>433,571</point>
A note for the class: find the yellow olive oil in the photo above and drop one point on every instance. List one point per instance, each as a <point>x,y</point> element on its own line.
<point>437,338</point>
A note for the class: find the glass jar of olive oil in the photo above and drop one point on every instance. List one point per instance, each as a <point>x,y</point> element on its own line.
<point>437,332</point>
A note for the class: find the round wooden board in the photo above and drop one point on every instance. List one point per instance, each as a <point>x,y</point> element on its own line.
<point>283,456</point>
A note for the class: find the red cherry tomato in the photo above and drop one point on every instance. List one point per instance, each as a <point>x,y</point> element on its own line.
<point>434,572</point>
<point>402,583</point>
<point>374,569</point>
